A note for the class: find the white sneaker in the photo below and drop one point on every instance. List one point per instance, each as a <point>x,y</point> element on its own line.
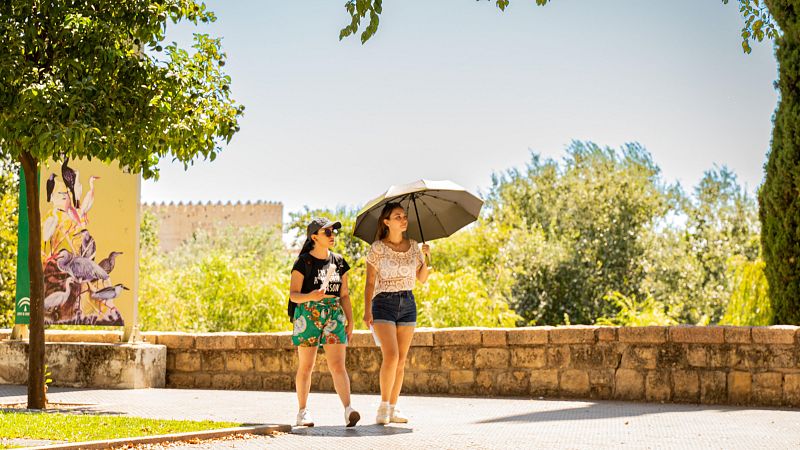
<point>351,416</point>
<point>397,416</point>
<point>304,418</point>
<point>384,414</point>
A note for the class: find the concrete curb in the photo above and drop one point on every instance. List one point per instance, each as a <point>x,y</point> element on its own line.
<point>210,434</point>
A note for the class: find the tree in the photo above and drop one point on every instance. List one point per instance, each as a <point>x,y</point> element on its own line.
<point>779,196</point>
<point>91,79</point>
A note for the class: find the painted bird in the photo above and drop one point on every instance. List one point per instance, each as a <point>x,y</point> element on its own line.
<point>51,184</point>
<point>88,200</point>
<point>49,227</point>
<point>69,177</point>
<point>108,294</point>
<point>108,263</point>
<point>78,189</point>
<point>57,298</point>
<point>88,245</point>
<point>83,270</point>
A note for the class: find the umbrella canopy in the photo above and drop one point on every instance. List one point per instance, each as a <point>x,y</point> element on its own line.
<point>435,209</point>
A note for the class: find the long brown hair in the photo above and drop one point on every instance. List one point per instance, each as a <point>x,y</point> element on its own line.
<point>383,230</point>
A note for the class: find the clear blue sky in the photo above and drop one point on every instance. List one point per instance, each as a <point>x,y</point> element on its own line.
<point>456,89</point>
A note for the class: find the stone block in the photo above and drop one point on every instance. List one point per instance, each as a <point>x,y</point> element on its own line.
<point>202,381</point>
<point>657,386</point>
<point>713,387</point>
<point>457,359</point>
<point>642,335</point>
<point>638,357</point>
<point>777,334</point>
<point>791,389</point>
<point>718,356</point>
<point>558,357</point>
<point>180,381</point>
<point>241,361</point>
<point>528,335</point>
<point>514,382</point>
<point>494,337</point>
<point>492,358</point>
<point>362,339</point>
<point>606,334</point>
<point>737,335</point>
<point>170,361</point>
<point>266,362</point>
<point>284,340</point>
<point>325,382</point>
<point>215,341</point>
<point>187,361</point>
<point>686,385</point>
<point>697,356</point>
<point>432,382</point>
<point>531,357</point>
<point>768,388</point>
<point>586,356</point>
<point>601,377</point>
<point>423,337</point>
<point>751,357</point>
<point>484,382</point>
<point>251,382</point>
<point>177,341</point>
<point>574,382</point>
<point>211,361</point>
<point>739,387</point>
<point>628,384</point>
<point>672,356</point>
<point>257,341</point>
<point>687,334</point>
<point>86,336</point>
<point>573,335</point>
<point>462,377</point>
<point>462,337</point>
<point>369,360</point>
<point>289,361</point>
<point>781,357</point>
<point>424,358</point>
<point>544,382</point>
<point>278,382</point>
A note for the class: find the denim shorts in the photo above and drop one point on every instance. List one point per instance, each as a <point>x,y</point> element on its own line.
<point>398,308</point>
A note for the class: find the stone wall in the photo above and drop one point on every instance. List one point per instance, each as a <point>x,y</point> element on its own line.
<point>714,365</point>
<point>177,222</point>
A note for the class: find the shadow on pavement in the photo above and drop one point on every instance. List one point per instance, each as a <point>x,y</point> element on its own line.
<point>610,410</point>
<point>357,431</point>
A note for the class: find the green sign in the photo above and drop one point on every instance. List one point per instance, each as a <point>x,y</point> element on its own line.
<point>23,309</point>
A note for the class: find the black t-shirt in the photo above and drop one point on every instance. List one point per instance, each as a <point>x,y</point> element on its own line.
<point>318,270</point>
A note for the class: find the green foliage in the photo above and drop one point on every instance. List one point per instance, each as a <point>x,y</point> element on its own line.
<point>459,299</point>
<point>631,312</point>
<point>9,191</point>
<point>88,427</point>
<point>749,304</point>
<point>94,79</point>
<point>758,22</point>
<point>235,279</point>
<point>778,197</point>
<point>579,229</point>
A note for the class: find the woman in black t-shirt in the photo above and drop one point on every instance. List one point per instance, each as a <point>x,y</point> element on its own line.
<point>323,316</point>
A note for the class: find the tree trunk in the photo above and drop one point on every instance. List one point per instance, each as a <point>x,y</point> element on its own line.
<point>36,393</point>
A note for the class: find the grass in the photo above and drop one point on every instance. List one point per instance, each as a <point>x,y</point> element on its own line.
<point>87,427</point>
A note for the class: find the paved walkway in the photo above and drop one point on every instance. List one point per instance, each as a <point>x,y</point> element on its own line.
<point>453,422</point>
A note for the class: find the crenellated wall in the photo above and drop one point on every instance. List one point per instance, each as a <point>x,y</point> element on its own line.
<point>179,221</point>
<point>714,365</point>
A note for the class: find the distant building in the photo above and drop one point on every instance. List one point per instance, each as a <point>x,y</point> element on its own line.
<point>178,222</point>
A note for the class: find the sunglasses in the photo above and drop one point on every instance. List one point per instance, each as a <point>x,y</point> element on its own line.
<point>328,231</point>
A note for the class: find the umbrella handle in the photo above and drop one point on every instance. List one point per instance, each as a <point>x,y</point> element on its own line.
<point>421,234</point>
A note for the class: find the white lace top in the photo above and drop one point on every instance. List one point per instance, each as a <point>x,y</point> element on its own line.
<point>396,271</point>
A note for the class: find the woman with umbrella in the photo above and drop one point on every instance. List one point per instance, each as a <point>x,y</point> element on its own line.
<point>394,264</point>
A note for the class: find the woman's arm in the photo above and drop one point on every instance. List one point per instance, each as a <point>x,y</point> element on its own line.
<point>296,285</point>
<point>369,291</point>
<point>347,307</point>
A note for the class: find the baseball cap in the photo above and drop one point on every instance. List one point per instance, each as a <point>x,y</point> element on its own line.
<point>320,223</point>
